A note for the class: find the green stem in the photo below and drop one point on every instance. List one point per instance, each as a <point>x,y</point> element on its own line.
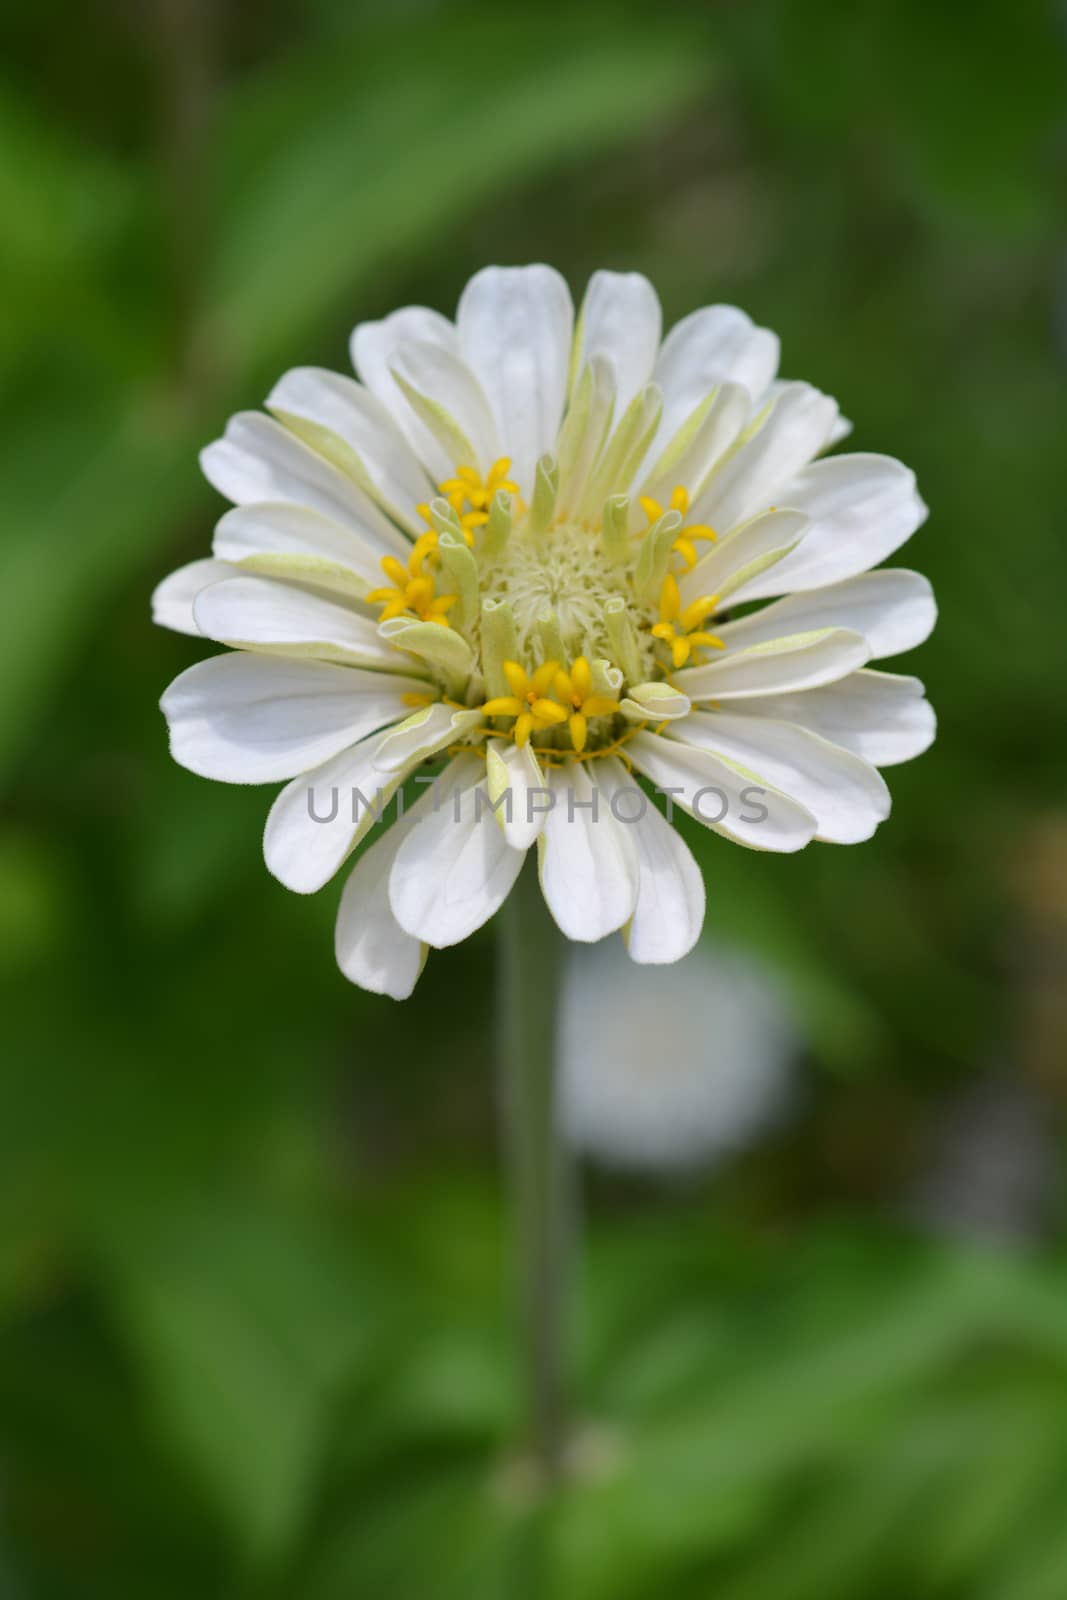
<point>531,952</point>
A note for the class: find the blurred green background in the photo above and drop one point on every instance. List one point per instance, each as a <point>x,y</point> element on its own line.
<point>255,1340</point>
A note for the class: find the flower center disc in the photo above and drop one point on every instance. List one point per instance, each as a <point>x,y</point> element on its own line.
<point>560,576</point>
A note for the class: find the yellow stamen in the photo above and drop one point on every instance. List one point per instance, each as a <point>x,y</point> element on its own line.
<point>505,705</point>
<point>548,697</point>
<point>582,677</point>
<point>670,599</point>
<point>411,589</point>
<point>518,682</point>
<point>548,711</point>
<point>575,688</point>
<point>470,495</point>
<point>599,705</point>
<point>423,546</point>
<point>528,701</point>
<point>690,534</point>
<point>541,680</point>
<point>680,629</point>
<point>395,571</point>
<point>697,610</point>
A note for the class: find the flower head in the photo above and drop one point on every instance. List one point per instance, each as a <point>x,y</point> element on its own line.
<point>528,551</point>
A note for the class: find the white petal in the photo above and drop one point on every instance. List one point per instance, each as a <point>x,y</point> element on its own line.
<point>297,543</point>
<point>371,947</point>
<point>443,650</point>
<point>620,319</point>
<point>419,735</point>
<point>751,480</point>
<point>877,715</point>
<point>718,344</point>
<point>257,459</point>
<point>586,859</point>
<point>259,719</point>
<point>893,610</point>
<point>352,428</point>
<point>586,430</point>
<point>669,912</point>
<point>303,851</point>
<point>511,769</point>
<point>654,702</point>
<point>737,562</point>
<point>616,467</point>
<point>455,869</point>
<point>373,346</point>
<point>725,799</point>
<point>442,391</point>
<point>702,440</point>
<point>862,508</point>
<point>846,796</point>
<point>515,326</point>
<point>172,600</point>
<point>319,818</point>
<point>841,428</point>
<point>802,661</point>
<point>263,614</point>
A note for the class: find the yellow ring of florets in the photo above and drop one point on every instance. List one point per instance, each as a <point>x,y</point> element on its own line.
<point>569,592</point>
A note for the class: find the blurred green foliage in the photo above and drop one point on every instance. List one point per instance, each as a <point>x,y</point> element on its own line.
<point>254,1340</point>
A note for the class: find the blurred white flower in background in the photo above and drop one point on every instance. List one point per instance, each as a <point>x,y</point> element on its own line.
<point>672,1068</point>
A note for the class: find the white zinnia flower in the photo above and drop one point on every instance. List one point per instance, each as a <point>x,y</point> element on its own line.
<point>527,548</point>
<point>673,1068</point>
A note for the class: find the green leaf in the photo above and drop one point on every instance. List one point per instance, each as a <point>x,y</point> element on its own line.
<point>339,169</point>
<point>246,1327</point>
